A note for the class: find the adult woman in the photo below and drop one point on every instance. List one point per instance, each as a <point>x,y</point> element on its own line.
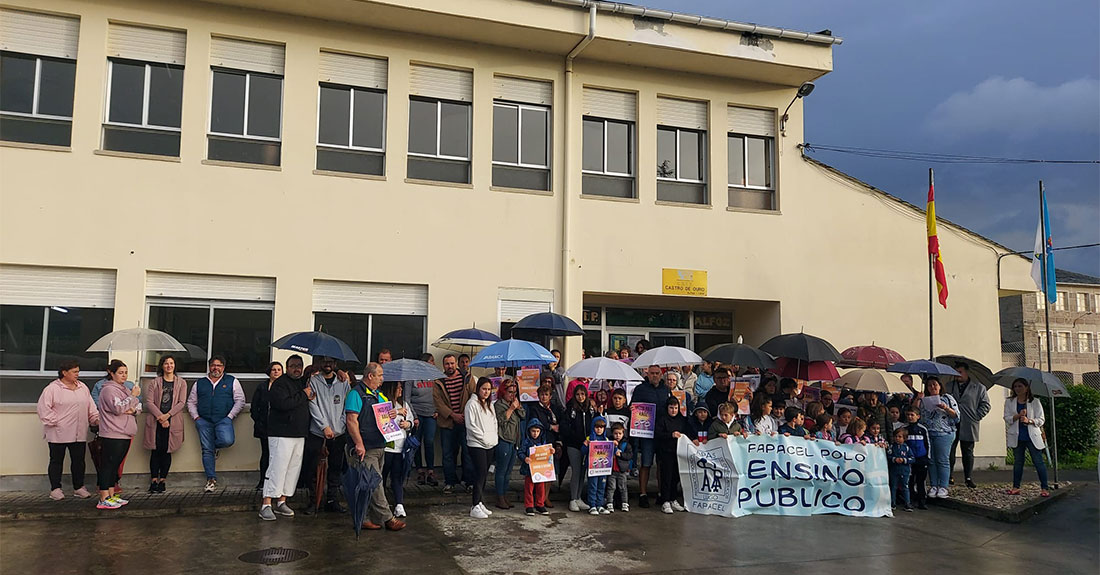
<point>66,410</point>
<point>165,398</point>
<point>940,414</point>
<point>118,409</point>
<point>258,411</point>
<point>575,424</point>
<point>481,438</point>
<point>1024,416</point>
<point>393,460</point>
<point>510,415</point>
<point>676,388</point>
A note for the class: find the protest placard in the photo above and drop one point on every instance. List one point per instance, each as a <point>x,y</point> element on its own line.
<point>600,455</point>
<point>642,418</point>
<point>738,394</point>
<point>542,464</point>
<point>385,417</point>
<point>527,379</point>
<point>680,396</point>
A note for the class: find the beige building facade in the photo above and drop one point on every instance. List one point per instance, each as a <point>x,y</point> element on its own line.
<point>391,171</point>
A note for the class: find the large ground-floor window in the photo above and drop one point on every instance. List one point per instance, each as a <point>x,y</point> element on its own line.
<point>367,334</point>
<point>612,328</point>
<point>38,338</point>
<point>242,332</point>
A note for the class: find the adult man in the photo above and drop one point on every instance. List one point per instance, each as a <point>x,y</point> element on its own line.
<point>464,364</point>
<point>369,443</point>
<point>720,393</point>
<point>428,358</point>
<point>213,403</point>
<point>973,406</point>
<point>384,356</point>
<point>421,395</point>
<point>289,402</point>
<point>450,396</point>
<point>652,390</point>
<point>326,430</point>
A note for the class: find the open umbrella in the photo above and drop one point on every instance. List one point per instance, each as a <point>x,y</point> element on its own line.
<point>870,356</point>
<point>410,370</point>
<point>316,343</point>
<point>667,356</point>
<point>801,346</point>
<point>977,370</point>
<point>923,368</point>
<point>513,353</point>
<point>470,340</point>
<point>359,483</point>
<point>1042,383</point>
<point>136,339</point>
<point>806,370</point>
<point>872,380</point>
<point>603,368</point>
<point>547,323</point>
<point>738,354</point>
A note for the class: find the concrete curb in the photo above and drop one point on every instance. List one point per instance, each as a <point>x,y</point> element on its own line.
<point>1017,514</point>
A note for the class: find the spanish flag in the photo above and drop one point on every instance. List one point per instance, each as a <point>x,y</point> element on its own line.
<point>934,244</point>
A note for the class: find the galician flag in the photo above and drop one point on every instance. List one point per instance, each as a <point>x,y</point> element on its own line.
<point>1044,244</point>
<point>934,244</point>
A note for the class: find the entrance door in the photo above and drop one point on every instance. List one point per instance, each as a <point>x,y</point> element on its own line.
<point>676,339</point>
<point>624,337</point>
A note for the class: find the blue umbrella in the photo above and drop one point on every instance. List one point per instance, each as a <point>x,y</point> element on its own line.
<point>513,353</point>
<point>469,340</point>
<point>359,483</point>
<point>410,370</point>
<point>316,343</point>
<point>923,368</point>
<point>412,444</point>
<point>547,323</point>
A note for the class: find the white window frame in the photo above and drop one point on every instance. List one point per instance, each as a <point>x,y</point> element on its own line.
<point>1086,338</point>
<point>769,150</point>
<point>439,129</point>
<point>1040,300</point>
<point>702,155</point>
<point>209,305</point>
<point>1059,338</point>
<point>1082,301</point>
<point>42,371</point>
<point>1060,301</point>
<point>633,135</point>
<point>37,86</point>
<point>247,87</point>
<point>144,101</point>
<point>519,134</point>
<point>351,119</point>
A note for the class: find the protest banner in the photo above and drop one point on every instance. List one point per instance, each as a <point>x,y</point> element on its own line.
<point>600,455</point>
<point>527,379</point>
<point>542,464</point>
<point>811,393</point>
<point>385,417</point>
<point>780,475</point>
<point>642,418</point>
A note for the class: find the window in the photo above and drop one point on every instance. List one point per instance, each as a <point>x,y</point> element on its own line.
<point>608,166</point>
<point>521,146</point>
<point>351,129</point>
<point>1060,303</point>
<point>241,332</point>
<point>439,141</point>
<point>403,335</point>
<point>246,100</point>
<point>1082,302</point>
<point>1085,343</point>
<point>1062,341</point>
<point>36,99</point>
<point>751,158</point>
<point>681,165</point>
<point>144,103</point>
<point>38,338</point>
<point>1040,300</point>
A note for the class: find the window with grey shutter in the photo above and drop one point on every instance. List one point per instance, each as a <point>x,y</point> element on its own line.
<point>608,143</point>
<point>37,76</point>
<point>521,133</point>
<point>351,123</point>
<point>439,123</point>
<point>751,158</point>
<point>681,151</point>
<point>246,101</point>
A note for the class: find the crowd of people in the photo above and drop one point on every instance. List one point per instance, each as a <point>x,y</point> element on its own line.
<point>305,413</point>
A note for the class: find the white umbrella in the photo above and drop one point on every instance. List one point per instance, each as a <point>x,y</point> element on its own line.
<point>603,368</point>
<point>136,339</point>
<point>667,356</point>
<point>872,380</point>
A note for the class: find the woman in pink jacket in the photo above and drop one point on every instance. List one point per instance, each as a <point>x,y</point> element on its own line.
<point>165,398</point>
<point>66,410</point>
<point>118,409</point>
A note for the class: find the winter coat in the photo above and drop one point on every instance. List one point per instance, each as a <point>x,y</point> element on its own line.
<point>697,426</point>
<point>288,414</point>
<point>918,441</point>
<point>894,451</point>
<point>575,425</point>
<point>258,410</point>
<point>662,432</point>
<point>624,457</point>
<point>508,428</point>
<point>648,393</point>
<point>974,405</point>
<point>153,391</point>
<point>527,443</point>
<point>1034,412</point>
<point>717,426</point>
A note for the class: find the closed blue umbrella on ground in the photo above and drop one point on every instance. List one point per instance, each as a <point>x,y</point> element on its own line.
<point>513,353</point>
<point>410,370</point>
<point>316,343</point>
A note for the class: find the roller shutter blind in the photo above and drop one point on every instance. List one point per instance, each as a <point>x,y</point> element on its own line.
<point>515,310</point>
<point>57,286</point>
<point>441,83</point>
<point>39,34</point>
<point>522,90</point>
<point>369,297</point>
<point>752,121</point>
<point>203,286</point>
<point>351,70</point>
<point>610,104</point>
<point>682,113</point>
<point>146,44</point>
<point>247,55</point>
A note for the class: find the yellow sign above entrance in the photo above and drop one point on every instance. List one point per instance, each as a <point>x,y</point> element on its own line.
<point>684,282</point>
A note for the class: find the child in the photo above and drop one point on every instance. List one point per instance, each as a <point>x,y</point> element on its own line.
<point>534,494</point>
<point>788,388</point>
<point>893,417</point>
<point>917,438</point>
<point>899,458</point>
<point>760,419</point>
<point>597,486</point>
<point>670,426</point>
<point>813,409</point>
<point>854,433</point>
<point>700,424</point>
<point>793,426</point>
<point>778,408</point>
<point>824,427</point>
<point>874,434</point>
<point>843,419</point>
<point>620,468</point>
<point>725,425</point>
<point>601,401</point>
<point>618,411</point>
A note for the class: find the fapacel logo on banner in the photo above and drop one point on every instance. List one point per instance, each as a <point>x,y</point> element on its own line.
<point>712,483</point>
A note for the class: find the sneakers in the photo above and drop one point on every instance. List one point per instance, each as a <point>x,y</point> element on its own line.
<point>121,502</point>
<point>153,487</point>
<point>594,511</point>
<point>970,483</point>
<point>82,493</point>
<point>542,511</point>
<point>943,493</point>
<point>530,511</point>
<point>283,509</point>
<point>57,494</point>
<point>484,509</point>
<point>211,485</point>
<point>676,506</point>
<point>266,513</point>
<point>430,479</point>
<point>643,501</point>
<point>626,507</point>
<point>908,509</point>
<point>161,487</point>
<point>108,503</point>
<point>448,489</point>
<point>399,510</point>
<point>666,508</point>
<point>573,506</point>
<point>605,511</point>
<point>477,513</point>
<point>610,508</point>
<point>582,505</point>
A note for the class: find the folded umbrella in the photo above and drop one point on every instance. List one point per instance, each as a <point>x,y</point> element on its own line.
<point>316,343</point>
<point>1042,383</point>
<point>320,477</point>
<point>801,346</point>
<point>513,353</point>
<point>977,370</point>
<point>805,370</point>
<point>408,453</point>
<point>870,356</point>
<point>667,356</point>
<point>547,323</point>
<point>359,484</point>
<point>923,368</point>
<point>470,340</point>
<point>872,380</point>
<point>603,368</point>
<point>738,354</point>
<point>410,370</point>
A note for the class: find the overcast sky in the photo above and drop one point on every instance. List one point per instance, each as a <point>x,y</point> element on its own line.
<point>1004,78</point>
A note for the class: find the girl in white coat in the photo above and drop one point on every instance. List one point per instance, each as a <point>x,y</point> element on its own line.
<point>1024,416</point>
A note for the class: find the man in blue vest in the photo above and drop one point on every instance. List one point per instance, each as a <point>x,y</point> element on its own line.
<point>369,442</point>
<point>214,401</point>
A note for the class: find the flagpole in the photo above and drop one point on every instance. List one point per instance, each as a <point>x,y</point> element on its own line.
<point>1046,312</point>
<point>931,285</point>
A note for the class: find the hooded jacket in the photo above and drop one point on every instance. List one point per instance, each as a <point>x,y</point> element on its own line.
<point>527,443</point>
<point>592,435</point>
<point>547,416</point>
<point>697,426</point>
<point>575,425</point>
<point>717,426</point>
<point>666,425</point>
<point>624,457</point>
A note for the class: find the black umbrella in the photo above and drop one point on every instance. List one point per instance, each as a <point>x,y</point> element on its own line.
<point>360,482</point>
<point>802,347</point>
<point>412,445</point>
<point>738,354</point>
<point>547,323</point>
<point>978,371</point>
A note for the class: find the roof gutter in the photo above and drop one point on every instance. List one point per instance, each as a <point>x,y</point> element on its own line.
<point>702,21</point>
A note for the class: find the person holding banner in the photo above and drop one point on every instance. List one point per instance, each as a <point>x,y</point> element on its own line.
<point>671,424</point>
<point>940,414</point>
<point>599,458</point>
<point>760,420</point>
<point>393,464</point>
<point>481,439</point>
<point>537,467</point>
<point>369,442</point>
<point>510,415</point>
<point>574,430</point>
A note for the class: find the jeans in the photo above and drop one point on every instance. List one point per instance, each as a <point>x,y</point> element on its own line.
<point>617,483</point>
<point>160,461</point>
<point>899,483</point>
<point>213,436</point>
<point>917,493</point>
<point>939,455</point>
<point>597,491</point>
<point>394,468</point>
<point>576,477</point>
<point>426,434</point>
<point>1018,462</point>
<point>968,457</point>
<point>114,451</point>
<point>454,439</point>
<point>314,444</point>
<point>505,460</point>
<point>481,459</point>
<point>76,462</point>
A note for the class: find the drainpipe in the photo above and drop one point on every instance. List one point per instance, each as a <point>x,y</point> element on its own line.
<point>567,194</point>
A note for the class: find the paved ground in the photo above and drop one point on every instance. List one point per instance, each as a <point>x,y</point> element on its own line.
<point>443,539</point>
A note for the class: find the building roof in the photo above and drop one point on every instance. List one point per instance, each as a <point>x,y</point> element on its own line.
<point>1068,277</point>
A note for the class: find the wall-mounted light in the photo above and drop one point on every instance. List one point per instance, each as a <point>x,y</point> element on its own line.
<point>804,90</point>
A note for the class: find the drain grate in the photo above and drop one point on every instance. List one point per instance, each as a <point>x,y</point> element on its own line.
<point>273,556</point>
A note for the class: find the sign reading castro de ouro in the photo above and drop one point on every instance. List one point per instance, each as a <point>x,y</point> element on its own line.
<point>782,475</point>
<point>684,282</point>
